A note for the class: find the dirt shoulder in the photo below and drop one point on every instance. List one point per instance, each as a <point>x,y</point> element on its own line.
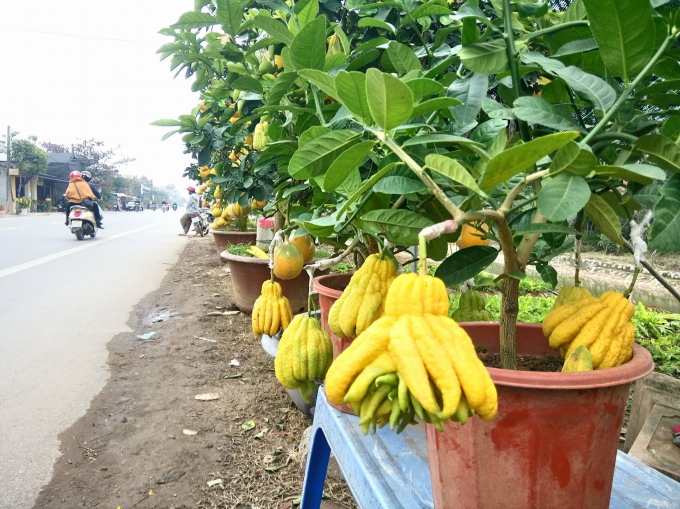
<point>136,447</point>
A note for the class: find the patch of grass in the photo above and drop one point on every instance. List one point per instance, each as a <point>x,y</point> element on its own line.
<point>343,268</point>
<point>322,253</point>
<point>240,250</point>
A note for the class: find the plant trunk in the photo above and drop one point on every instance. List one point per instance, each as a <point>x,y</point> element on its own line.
<point>508,321</point>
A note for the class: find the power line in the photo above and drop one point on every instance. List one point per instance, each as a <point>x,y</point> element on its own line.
<point>76,36</point>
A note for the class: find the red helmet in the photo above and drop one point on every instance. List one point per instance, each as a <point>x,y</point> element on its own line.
<point>191,188</point>
<point>76,174</point>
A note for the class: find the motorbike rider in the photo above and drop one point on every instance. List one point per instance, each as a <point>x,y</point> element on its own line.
<point>98,214</point>
<point>174,206</point>
<point>192,207</point>
<point>77,191</point>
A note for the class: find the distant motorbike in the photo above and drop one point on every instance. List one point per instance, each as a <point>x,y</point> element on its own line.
<point>165,207</point>
<point>116,207</point>
<point>174,207</point>
<point>82,222</point>
<point>199,221</point>
<point>152,206</point>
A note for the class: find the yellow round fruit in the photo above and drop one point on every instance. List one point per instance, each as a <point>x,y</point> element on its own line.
<point>216,212</point>
<point>205,203</point>
<point>202,189</point>
<point>235,210</point>
<point>305,244</point>
<point>220,222</point>
<point>288,261</point>
<point>249,141</point>
<point>225,213</point>
<point>279,61</point>
<point>213,172</point>
<point>214,226</point>
<point>257,205</point>
<point>204,171</point>
<point>470,236</point>
<point>218,192</point>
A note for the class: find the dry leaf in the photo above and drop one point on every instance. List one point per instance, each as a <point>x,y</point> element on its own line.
<point>207,397</point>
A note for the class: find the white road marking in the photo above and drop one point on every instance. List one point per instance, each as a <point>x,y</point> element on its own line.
<point>15,228</point>
<point>60,254</point>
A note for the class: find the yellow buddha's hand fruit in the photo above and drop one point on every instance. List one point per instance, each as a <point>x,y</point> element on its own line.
<point>271,311</point>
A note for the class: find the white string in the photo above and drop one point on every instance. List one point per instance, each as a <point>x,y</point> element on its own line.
<point>436,230</point>
<point>278,239</point>
<point>637,232</point>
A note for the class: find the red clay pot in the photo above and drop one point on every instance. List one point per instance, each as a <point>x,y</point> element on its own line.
<point>330,289</point>
<point>553,443</point>
<point>225,238</point>
<point>248,274</point>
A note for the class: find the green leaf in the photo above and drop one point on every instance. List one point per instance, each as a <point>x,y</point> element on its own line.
<point>403,58</point>
<point>321,80</point>
<point>597,91</point>
<point>365,187</point>
<point>351,89</point>
<point>377,23</point>
<point>528,229</point>
<point>665,229</point>
<point>573,159</point>
<point>389,100</point>
<point>497,110</point>
<point>322,226</point>
<point>311,133</point>
<point>422,87</point>
<point>438,103</point>
<point>248,84</point>
<point>561,197</point>
<point>230,14</point>
<point>345,163</point>
<point>536,110</point>
<point>452,169</point>
<point>489,57</point>
<point>661,151</point>
<point>307,12</point>
<point>333,61</point>
<point>275,28</point>
<point>399,226</point>
<point>642,173</point>
<point>442,139</point>
<point>579,360</point>
<point>604,218</point>
<point>465,264</point>
<point>648,196</point>
<point>316,156</point>
<point>624,31</point>
<point>362,60</point>
<point>431,8</point>
<point>399,185</point>
<point>577,46</point>
<point>514,160</point>
<point>167,122</point>
<point>575,12</point>
<point>470,91</point>
<point>248,425</point>
<point>191,19</point>
<point>308,49</point>
<point>280,87</point>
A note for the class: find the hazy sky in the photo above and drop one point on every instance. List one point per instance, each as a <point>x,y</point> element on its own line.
<point>85,85</point>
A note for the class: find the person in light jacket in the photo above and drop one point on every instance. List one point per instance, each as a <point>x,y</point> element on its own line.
<point>192,206</point>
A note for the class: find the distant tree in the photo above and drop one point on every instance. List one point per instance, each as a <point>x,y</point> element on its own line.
<point>28,157</point>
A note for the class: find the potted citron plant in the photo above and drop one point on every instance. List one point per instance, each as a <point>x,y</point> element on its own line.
<point>514,122</point>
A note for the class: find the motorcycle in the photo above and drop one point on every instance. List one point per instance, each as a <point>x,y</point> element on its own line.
<point>174,207</point>
<point>82,222</point>
<point>199,220</point>
<point>165,207</point>
<point>116,207</point>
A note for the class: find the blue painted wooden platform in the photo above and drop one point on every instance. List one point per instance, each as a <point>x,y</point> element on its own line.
<point>390,471</point>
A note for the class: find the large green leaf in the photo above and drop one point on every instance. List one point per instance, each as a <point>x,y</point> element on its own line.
<point>470,91</point>
<point>597,91</point>
<point>307,12</point>
<point>399,185</point>
<point>648,196</point>
<point>362,60</point>
<point>317,155</point>
<point>280,87</point>
<point>389,99</point>
<point>399,226</point>
<point>454,170</point>
<point>343,165</point>
<point>604,217</point>
<point>351,88</point>
<point>438,103</point>
<point>561,197</point>
<point>514,160</point>
<point>489,57</point>
<point>321,80</point>
<point>191,19</point>
<point>321,226</point>
<point>573,159</point>
<point>624,31</point>
<point>308,49</point>
<point>536,110</point>
<point>230,14</point>
<point>430,8</point>
<point>368,184</point>
<point>377,23</point>
<point>465,264</point>
<point>661,151</point>
<point>247,84</point>
<point>422,87</point>
<point>643,173</point>
<point>403,58</point>
<point>275,28</point>
<point>665,230</point>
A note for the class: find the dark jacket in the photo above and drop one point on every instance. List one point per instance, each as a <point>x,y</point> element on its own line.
<point>95,191</point>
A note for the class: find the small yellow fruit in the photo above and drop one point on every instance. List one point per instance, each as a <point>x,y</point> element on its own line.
<point>305,244</point>
<point>204,172</point>
<point>279,61</point>
<point>257,205</point>
<point>288,261</point>
<point>249,141</point>
<point>218,192</point>
<point>216,212</point>
<point>470,236</point>
<point>235,210</point>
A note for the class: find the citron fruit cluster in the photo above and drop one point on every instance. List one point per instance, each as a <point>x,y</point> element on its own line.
<point>271,310</point>
<point>430,360</point>
<point>472,308</point>
<point>363,301</point>
<point>602,325</point>
<point>303,356</point>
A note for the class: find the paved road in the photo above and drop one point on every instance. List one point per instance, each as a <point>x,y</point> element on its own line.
<point>61,302</point>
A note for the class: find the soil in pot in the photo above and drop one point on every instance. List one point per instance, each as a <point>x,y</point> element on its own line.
<point>553,443</point>
<point>544,363</point>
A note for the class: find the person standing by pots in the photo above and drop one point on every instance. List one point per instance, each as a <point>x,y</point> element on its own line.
<point>192,207</point>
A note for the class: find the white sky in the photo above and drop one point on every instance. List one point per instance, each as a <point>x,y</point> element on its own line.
<point>61,88</point>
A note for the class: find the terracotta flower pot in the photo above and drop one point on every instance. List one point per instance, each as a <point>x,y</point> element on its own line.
<point>553,443</point>
<point>225,238</point>
<point>330,289</point>
<point>248,274</point>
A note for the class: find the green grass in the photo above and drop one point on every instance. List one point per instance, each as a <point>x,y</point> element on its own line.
<point>240,250</point>
<point>532,309</point>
